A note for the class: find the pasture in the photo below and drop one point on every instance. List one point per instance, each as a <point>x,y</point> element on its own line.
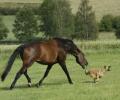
<point>56,86</point>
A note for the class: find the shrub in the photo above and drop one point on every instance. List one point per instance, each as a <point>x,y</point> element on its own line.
<point>106,23</point>
<point>116,26</point>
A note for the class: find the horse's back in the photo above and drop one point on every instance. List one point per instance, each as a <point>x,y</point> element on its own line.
<point>46,51</point>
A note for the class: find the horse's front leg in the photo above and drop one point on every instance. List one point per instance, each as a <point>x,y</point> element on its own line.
<point>45,75</point>
<point>63,65</point>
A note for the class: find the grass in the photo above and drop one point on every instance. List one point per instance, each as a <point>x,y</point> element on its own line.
<point>56,86</point>
<point>8,21</point>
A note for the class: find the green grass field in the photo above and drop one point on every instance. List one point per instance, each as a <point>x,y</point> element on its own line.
<point>56,86</point>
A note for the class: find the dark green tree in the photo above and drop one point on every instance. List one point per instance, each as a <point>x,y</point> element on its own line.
<point>56,18</point>
<point>85,22</point>
<point>3,30</point>
<point>106,23</point>
<point>25,25</point>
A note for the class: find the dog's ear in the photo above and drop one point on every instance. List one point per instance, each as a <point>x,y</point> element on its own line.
<point>109,68</point>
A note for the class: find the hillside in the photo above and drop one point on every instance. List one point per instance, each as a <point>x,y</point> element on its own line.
<point>101,7</point>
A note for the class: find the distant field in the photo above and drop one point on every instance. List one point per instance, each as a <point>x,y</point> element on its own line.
<point>22,1</point>
<point>101,7</point>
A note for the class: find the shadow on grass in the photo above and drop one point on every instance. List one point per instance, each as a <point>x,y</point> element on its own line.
<point>88,82</point>
<point>33,86</point>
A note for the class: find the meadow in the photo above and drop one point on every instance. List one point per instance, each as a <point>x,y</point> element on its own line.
<point>56,86</point>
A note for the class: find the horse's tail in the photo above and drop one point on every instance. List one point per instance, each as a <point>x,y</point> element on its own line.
<point>10,63</point>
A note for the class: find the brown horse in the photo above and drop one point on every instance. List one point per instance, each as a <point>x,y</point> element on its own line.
<point>47,52</point>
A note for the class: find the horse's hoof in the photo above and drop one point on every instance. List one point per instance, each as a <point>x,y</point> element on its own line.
<point>71,82</point>
<point>29,84</point>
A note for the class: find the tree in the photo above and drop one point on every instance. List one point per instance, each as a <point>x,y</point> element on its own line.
<point>85,22</point>
<point>106,23</point>
<point>56,18</point>
<point>25,25</point>
<point>3,30</point>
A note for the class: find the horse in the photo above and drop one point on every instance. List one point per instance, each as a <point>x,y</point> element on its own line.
<point>47,52</point>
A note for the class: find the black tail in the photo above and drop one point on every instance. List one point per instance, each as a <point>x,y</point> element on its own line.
<point>10,63</point>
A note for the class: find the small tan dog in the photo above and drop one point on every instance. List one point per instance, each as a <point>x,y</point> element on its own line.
<point>96,74</point>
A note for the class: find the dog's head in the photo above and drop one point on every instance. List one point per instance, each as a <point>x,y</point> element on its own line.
<point>107,68</point>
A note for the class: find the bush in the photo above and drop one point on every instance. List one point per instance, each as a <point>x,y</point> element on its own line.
<point>3,30</point>
<point>116,26</point>
<point>106,23</point>
<point>25,25</point>
<point>56,18</point>
<point>116,22</point>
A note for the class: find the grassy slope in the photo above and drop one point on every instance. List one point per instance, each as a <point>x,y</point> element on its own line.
<point>101,7</point>
<point>9,20</point>
<point>56,87</point>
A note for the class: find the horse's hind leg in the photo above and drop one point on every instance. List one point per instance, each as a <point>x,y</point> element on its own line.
<point>28,78</point>
<point>45,75</point>
<point>19,73</point>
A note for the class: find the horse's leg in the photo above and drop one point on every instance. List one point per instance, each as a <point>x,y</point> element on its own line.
<point>45,75</point>
<point>19,73</point>
<point>28,78</point>
<point>63,65</point>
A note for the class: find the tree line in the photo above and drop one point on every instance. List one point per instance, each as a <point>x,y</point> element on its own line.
<point>55,19</point>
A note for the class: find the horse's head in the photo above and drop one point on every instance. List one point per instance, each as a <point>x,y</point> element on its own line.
<point>75,51</point>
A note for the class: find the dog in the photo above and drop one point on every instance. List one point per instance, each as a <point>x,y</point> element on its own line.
<point>96,74</point>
